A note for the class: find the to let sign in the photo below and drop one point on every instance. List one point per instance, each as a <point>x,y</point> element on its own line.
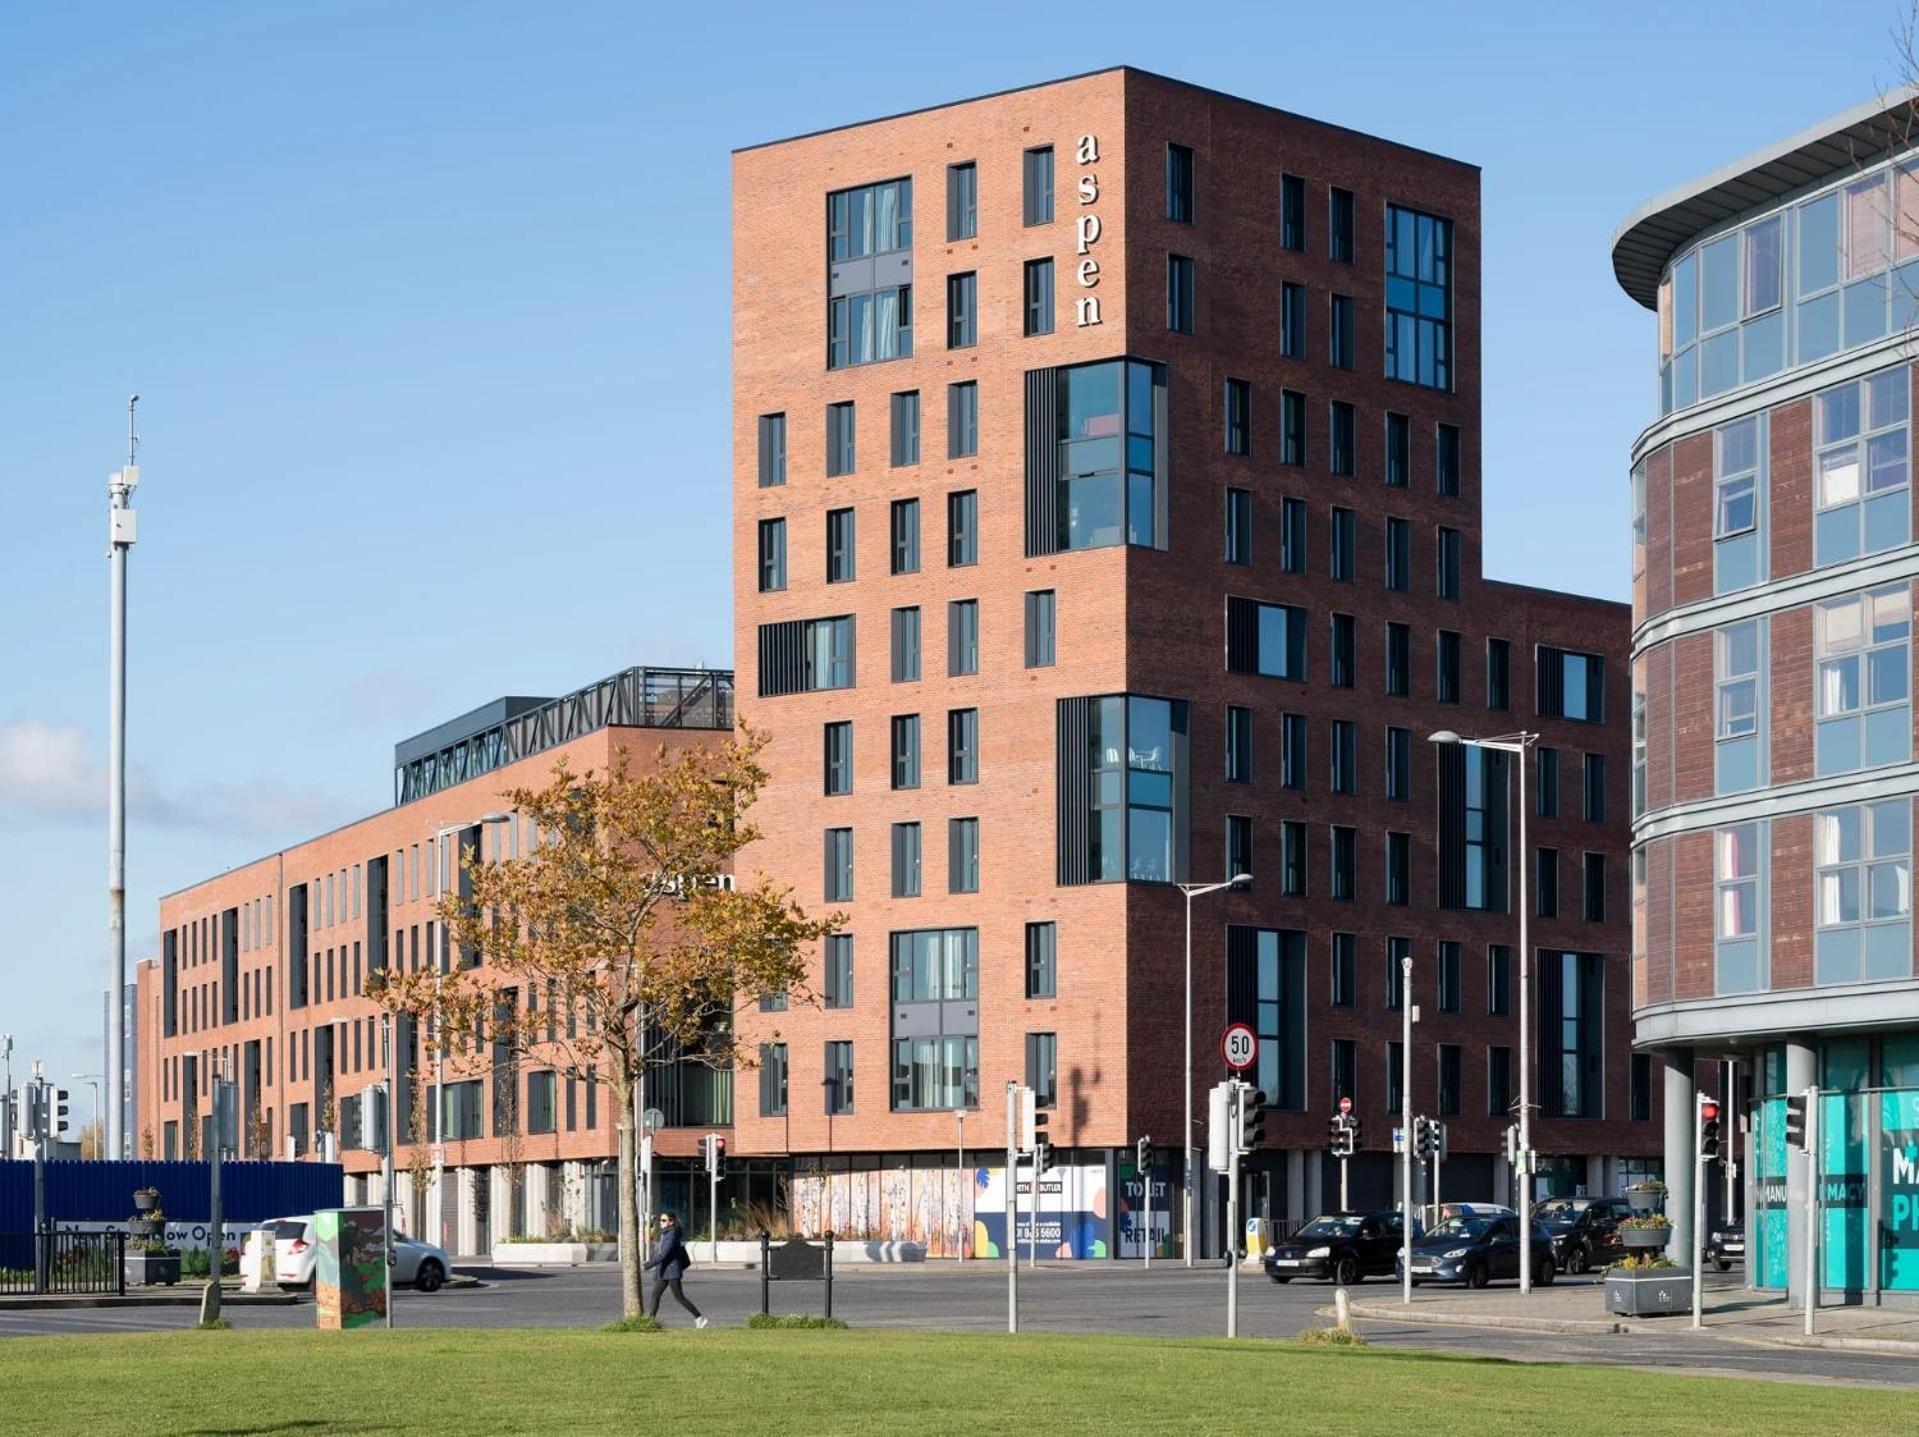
<point>1239,1046</point>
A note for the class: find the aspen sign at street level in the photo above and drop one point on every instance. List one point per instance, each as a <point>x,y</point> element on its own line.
<point>1239,1046</point>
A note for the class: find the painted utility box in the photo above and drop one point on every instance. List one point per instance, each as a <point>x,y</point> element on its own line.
<point>350,1272</point>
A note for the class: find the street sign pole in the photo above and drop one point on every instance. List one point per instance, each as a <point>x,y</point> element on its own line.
<point>1812,1206</point>
<point>1240,1092</point>
<point>390,1098</point>
<point>1406,1127</point>
<point>1144,1164</point>
<point>1012,1207</point>
<point>1698,1210</point>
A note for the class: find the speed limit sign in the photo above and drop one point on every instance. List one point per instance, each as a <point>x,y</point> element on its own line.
<point>1239,1046</point>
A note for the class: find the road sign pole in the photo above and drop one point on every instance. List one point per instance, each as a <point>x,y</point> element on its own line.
<point>1240,1092</point>
<point>1343,1206</point>
<point>1012,1207</point>
<point>1698,1211</point>
<point>713,1195</point>
<point>1812,1206</point>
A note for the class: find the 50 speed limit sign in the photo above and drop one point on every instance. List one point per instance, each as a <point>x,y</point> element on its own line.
<point>1239,1046</point>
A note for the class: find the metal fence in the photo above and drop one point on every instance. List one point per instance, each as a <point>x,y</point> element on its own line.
<point>63,1262</point>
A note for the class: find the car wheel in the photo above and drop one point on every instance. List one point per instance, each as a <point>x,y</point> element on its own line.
<point>1276,1278</point>
<point>1725,1267</point>
<point>1577,1260</point>
<point>1547,1272</point>
<point>1346,1271</point>
<point>430,1276</point>
<point>1476,1275</point>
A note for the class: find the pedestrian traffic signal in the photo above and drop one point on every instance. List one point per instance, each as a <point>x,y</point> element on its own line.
<point>1708,1128</point>
<point>1251,1127</point>
<point>1796,1121</point>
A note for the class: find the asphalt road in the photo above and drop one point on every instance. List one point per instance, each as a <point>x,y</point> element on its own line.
<point>1105,1297</point>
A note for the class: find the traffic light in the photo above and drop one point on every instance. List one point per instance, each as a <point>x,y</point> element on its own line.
<point>1340,1136</point>
<point>1043,1156</point>
<point>373,1118</point>
<point>1429,1138</point>
<point>1143,1159</point>
<point>1251,1125</point>
<point>1796,1121</point>
<point>61,1126</point>
<point>1512,1145</point>
<point>1708,1128</point>
<point>1219,1121</point>
<point>1031,1120</point>
<point>713,1151</point>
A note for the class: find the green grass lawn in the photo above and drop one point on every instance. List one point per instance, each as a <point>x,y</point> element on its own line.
<point>470,1382</point>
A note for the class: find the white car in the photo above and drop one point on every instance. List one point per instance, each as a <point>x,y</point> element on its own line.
<point>296,1249</point>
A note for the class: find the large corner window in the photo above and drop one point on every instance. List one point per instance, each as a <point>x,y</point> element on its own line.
<point>1863,677</point>
<point>1863,501</point>
<point>1123,810</point>
<point>1863,861</point>
<point>935,992</point>
<point>1735,531</point>
<point>1093,464</point>
<point>1419,298</point>
<point>869,248</point>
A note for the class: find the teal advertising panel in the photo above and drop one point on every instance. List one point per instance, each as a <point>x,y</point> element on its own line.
<point>1767,1232</point>
<point>1842,1190</point>
<point>1899,1190</point>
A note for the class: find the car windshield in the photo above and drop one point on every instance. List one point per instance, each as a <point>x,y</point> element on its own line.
<point>1330,1227</point>
<point>1469,1228</point>
<point>286,1231</point>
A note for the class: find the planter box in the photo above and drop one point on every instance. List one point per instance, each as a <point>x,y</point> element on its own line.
<point>553,1254</point>
<point>1645,1201</point>
<point>146,1270</point>
<point>1658,1292</point>
<point>1645,1237</point>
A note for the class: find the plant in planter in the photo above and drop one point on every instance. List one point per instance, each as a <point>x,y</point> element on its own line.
<point>1647,1197</point>
<point>150,1259</point>
<point>1641,1262</point>
<point>1650,1230</point>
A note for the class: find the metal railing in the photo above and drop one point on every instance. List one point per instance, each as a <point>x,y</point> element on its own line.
<point>63,1262</point>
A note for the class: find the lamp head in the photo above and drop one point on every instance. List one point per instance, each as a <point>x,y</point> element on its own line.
<point>1241,880</point>
<point>1445,735</point>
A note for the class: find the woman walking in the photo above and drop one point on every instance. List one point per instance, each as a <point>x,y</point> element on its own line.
<point>671,1259</point>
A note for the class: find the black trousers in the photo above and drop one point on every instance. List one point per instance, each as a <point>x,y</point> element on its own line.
<point>660,1285</point>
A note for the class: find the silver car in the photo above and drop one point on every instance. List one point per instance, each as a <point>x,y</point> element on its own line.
<point>295,1251</point>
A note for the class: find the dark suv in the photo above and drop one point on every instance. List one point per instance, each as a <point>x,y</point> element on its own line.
<point>1343,1246</point>
<point>1585,1231</point>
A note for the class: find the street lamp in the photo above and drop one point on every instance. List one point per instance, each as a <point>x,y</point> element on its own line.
<point>1518,744</point>
<point>92,1080</point>
<point>1192,891</point>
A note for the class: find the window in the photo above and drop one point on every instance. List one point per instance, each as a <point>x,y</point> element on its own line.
<point>1447,650</point>
<point>1268,639</point>
<point>1344,862</point>
<point>837,987</point>
<point>1499,1082</point>
<point>1345,544</point>
<point>772,555</point>
<point>1446,464</point>
<point>772,1080</point>
<point>962,528</point>
<point>1239,845</point>
<point>1041,628</point>
<point>1345,970</point>
<point>1339,225</point>
<point>1292,212</point>
<point>1739,966</point>
<point>1399,866</point>
<point>1499,667</point>
<point>906,751</point>
<point>1342,655</point>
<point>1398,950</point>
<point>1266,988</point>
<point>1042,960</point>
<point>906,645</point>
<point>838,1080</point>
<point>1239,419</point>
<point>772,450</point>
<point>1122,789</point>
<point>1179,294</point>
<point>905,414</point>
<point>1038,292</point>
<point>962,202</point>
<point>840,428</point>
<point>1292,751</point>
<point>1179,184</point>
<point>1399,555</point>
<point>906,536</point>
<point>1572,1003</point>
<point>1340,438</point>
<point>803,656</point>
<point>1638,752</point>
<point>1863,680</point>
<point>906,860</point>
<point>1641,1088</point>
<point>962,420</point>
<point>1446,579</point>
<point>1592,872</point>
<point>962,855</point>
<point>1292,427</point>
<point>1292,859</point>
<point>962,637</point>
<point>1037,186</point>
<point>1593,788</point>
<point>1292,536</point>
<point>871,324</point>
<point>1571,685</point>
<point>1106,484</point>
<point>1239,526</point>
<point>1863,875</point>
<point>1861,467</point>
<point>1292,321</point>
<point>1345,770</point>
<point>1419,301</point>
<point>962,746</point>
<point>962,310</point>
<point>1547,804</point>
<point>1546,883</point>
<point>1499,980</point>
<point>1399,764</point>
<point>1399,660</point>
<point>1345,1076</point>
<point>1339,338</point>
<point>839,546</point>
<point>839,865</point>
<point>1736,710</point>
<point>839,758</point>
<point>1448,1079</point>
<point>1042,1063</point>
<point>935,988</point>
<point>1735,505</point>
<point>1399,450</point>
<point>1239,744</point>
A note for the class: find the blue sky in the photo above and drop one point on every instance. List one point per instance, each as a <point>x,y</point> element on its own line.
<point>428,307</point>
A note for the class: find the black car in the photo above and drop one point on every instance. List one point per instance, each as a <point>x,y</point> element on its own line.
<point>1343,1246</point>
<point>1727,1244</point>
<point>1478,1250</point>
<point>1584,1231</point>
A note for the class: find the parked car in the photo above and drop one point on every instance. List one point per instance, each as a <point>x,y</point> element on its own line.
<point>1585,1231</point>
<point>296,1250</point>
<point>1345,1247</point>
<point>1727,1244</point>
<point>1478,1250</point>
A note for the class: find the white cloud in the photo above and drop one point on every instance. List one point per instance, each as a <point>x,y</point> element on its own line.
<point>46,770</point>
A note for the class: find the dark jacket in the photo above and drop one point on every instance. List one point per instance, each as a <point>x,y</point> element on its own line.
<point>671,1256</point>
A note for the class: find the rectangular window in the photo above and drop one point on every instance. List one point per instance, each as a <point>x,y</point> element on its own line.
<point>1292,751</point>
<point>772,450</point>
<point>1593,878</point>
<point>1345,862</point>
<point>772,1081</point>
<point>962,528</point>
<point>962,855</point>
<point>1862,863</point>
<point>1239,744</point>
<point>840,449</point>
<point>837,987</point>
<point>839,546</point>
<point>1292,859</point>
<point>1179,294</point>
<point>962,746</point>
<point>1638,752</point>
<point>1239,418</point>
<point>1042,1068</point>
<point>905,415</point>
<point>1399,661</point>
<point>1572,1008</point>
<point>1266,989</point>
<point>1104,474</point>
<point>1863,680</point>
<point>1446,465</point>
<point>962,310</point>
<point>1292,535</point>
<point>1038,292</point>
<point>1593,790</point>
<point>1641,1088</point>
<point>1399,868</point>
<point>1239,526</point>
<point>839,865</point>
<point>1447,651</point>
<point>1446,578</point>
<point>1042,960</point>
<point>906,645</point>
<point>1123,788</point>
<point>1499,980</point>
<point>1239,845</point>
<point>1267,639</point>
<point>1739,965</point>
<point>1571,685</point>
<point>1448,1096</point>
<point>1042,628</point>
<point>906,751</point>
<point>1419,298</point>
<point>906,860</point>
<point>1345,545</point>
<point>1398,950</point>
<point>1340,438</point>
<point>962,637</point>
<point>772,555</point>
<point>1179,184</point>
<point>1292,212</point>
<point>906,536</point>
<point>803,656</point>
<point>1399,450</point>
<point>1340,347</point>
<point>1499,668</point>
<point>865,325</point>
<point>839,758</point>
<point>1345,970</point>
<point>1345,770</point>
<point>1499,1082</point>
<point>1345,1075</point>
<point>838,1079</point>
<point>1861,465</point>
<point>1292,427</point>
<point>962,202</point>
<point>1037,186</point>
<point>1292,321</point>
<point>1736,505</point>
<point>1342,654</point>
<point>1737,713</point>
<point>1399,555</point>
<point>1449,983</point>
<point>1546,883</point>
<point>1399,764</point>
<point>1339,225</point>
<point>962,420</point>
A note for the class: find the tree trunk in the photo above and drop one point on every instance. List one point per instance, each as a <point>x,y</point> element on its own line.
<point>632,1240</point>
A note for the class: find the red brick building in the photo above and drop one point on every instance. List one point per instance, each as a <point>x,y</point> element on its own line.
<point>1118,387</point>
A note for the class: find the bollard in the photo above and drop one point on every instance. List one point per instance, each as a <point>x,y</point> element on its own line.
<point>1342,1310</point>
<point>829,1275</point>
<point>766,1243</point>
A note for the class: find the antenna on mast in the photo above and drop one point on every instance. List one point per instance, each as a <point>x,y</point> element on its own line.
<point>133,439</point>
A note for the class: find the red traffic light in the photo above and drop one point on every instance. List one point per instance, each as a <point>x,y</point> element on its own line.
<point>1709,1110</point>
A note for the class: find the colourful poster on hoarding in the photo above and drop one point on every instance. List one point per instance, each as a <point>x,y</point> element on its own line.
<point>1899,1211</point>
<point>349,1277</point>
<point>1134,1211</point>
<point>1074,1218</point>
